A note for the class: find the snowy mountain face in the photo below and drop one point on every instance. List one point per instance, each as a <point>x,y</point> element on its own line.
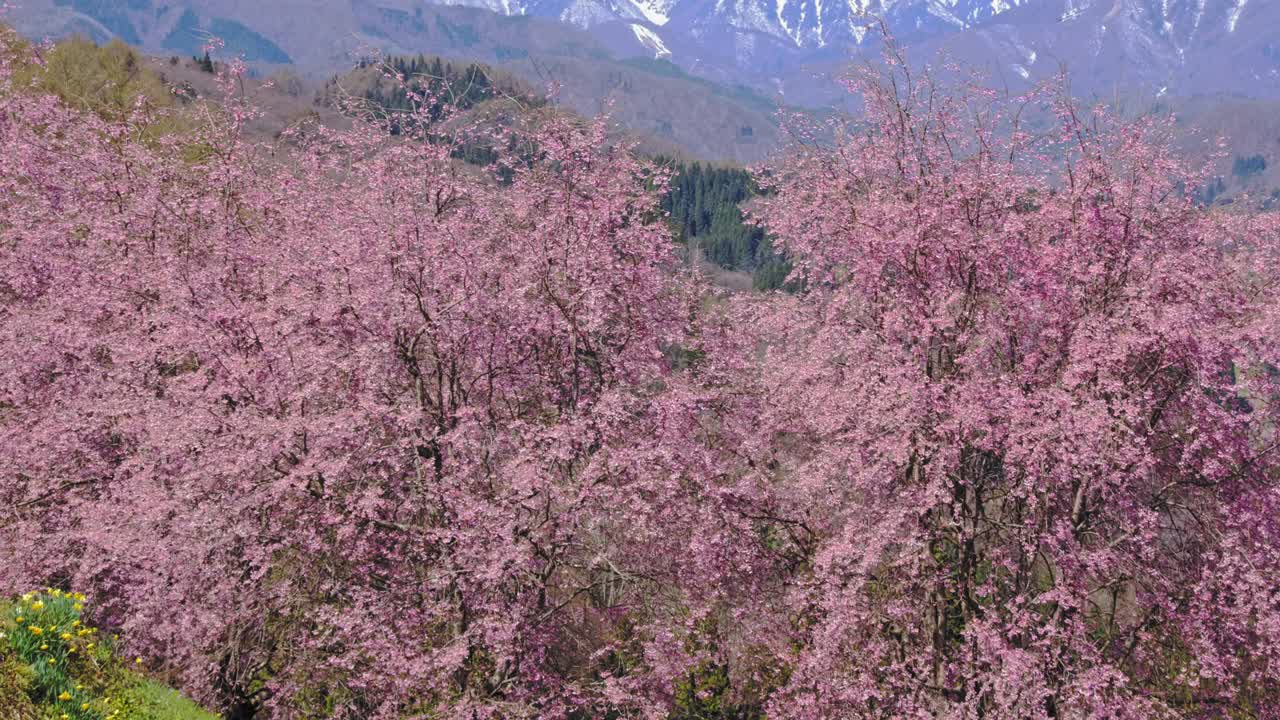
<point>1160,44</point>
<point>820,23</point>
<point>583,13</point>
<point>800,23</point>
<point>779,46</point>
<point>1175,46</point>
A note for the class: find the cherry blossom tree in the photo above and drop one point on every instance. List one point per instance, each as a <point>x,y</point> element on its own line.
<point>1013,444</point>
<point>341,426</point>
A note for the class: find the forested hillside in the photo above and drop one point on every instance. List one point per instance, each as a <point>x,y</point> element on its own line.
<point>399,85</point>
<point>346,421</point>
<point>705,205</point>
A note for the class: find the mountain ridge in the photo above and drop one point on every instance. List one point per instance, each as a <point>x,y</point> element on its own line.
<point>789,47</point>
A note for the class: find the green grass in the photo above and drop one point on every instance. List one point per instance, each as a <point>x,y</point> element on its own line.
<point>149,700</point>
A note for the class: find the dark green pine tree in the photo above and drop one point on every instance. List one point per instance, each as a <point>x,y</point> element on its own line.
<point>704,204</point>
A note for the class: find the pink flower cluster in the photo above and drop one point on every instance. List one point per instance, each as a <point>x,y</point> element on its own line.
<point>342,425</point>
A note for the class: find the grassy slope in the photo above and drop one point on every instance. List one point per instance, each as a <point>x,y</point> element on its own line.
<point>133,695</point>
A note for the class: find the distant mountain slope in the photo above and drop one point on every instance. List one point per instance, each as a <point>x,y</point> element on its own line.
<point>1183,47</point>
<point>1178,47</point>
<point>318,36</point>
<point>783,49</point>
<point>671,110</point>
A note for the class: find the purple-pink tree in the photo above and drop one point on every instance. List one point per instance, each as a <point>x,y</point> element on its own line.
<point>351,427</point>
<point>1015,440</point>
<point>343,427</point>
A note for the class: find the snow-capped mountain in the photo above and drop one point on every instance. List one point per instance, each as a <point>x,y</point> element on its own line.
<point>779,46</point>
<point>1165,46</point>
<point>801,23</point>
<point>1168,45</point>
<point>583,13</point>
<point>819,23</point>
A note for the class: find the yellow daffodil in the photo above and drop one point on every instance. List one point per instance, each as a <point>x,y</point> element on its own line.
<point>77,607</point>
<point>66,716</point>
<point>137,661</point>
<point>37,605</point>
<point>71,651</point>
<point>44,646</point>
<point>84,706</point>
<point>66,636</point>
<point>20,619</point>
<point>65,696</point>
<point>75,623</point>
<point>90,646</point>
<point>35,630</point>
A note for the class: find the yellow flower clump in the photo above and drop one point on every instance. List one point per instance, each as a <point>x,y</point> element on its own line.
<point>51,636</point>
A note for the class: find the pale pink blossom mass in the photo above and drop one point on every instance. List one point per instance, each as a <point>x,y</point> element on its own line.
<point>343,425</point>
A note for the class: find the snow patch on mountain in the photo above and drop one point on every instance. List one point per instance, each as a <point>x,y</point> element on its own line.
<point>651,40</point>
<point>655,11</point>
<point>1233,16</point>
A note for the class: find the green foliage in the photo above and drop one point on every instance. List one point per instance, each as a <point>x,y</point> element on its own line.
<point>105,79</point>
<point>772,275</point>
<point>388,88</point>
<point>704,206</point>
